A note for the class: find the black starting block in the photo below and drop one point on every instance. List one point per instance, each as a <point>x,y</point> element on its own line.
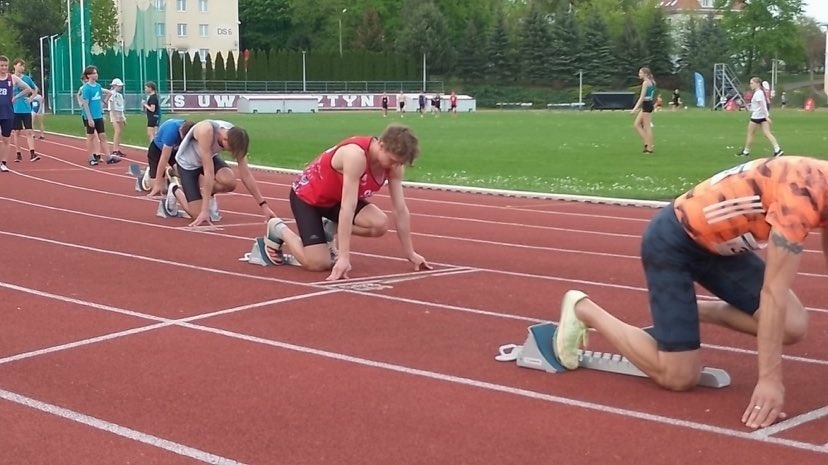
<point>538,353</point>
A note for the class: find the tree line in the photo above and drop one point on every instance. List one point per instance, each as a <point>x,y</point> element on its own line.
<point>528,42</point>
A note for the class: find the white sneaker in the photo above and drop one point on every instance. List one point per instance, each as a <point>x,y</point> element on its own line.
<point>171,204</point>
<point>4,168</point>
<point>273,238</point>
<point>571,334</point>
<point>215,215</point>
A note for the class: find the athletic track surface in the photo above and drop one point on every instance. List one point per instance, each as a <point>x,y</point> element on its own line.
<point>131,339</point>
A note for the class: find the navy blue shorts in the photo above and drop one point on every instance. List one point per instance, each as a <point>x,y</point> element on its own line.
<point>673,262</point>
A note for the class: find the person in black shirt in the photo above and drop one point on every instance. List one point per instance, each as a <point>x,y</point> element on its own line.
<point>153,109</point>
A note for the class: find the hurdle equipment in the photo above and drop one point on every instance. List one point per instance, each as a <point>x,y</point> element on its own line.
<point>258,256</point>
<point>141,177</point>
<point>538,353</point>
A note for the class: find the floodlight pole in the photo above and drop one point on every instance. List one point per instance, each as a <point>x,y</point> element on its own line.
<point>52,99</point>
<point>42,72</point>
<point>304,75</point>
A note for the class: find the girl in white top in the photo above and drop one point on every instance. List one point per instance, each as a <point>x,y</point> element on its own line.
<point>759,118</point>
<point>116,114</point>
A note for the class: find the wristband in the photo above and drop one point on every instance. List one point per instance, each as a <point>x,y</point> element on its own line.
<point>263,203</point>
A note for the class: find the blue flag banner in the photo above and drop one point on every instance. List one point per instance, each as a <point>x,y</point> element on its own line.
<point>699,90</point>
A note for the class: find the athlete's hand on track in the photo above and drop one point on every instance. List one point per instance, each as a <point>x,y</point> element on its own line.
<point>203,217</point>
<point>419,262</point>
<point>765,405</point>
<point>340,270</point>
<point>157,188</point>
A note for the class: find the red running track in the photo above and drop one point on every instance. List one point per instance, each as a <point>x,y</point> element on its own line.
<point>132,339</point>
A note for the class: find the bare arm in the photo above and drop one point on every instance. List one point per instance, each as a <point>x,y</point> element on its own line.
<point>352,162</point>
<point>204,137</point>
<point>403,218</point>
<point>782,262</point>
<point>27,89</point>
<point>250,183</point>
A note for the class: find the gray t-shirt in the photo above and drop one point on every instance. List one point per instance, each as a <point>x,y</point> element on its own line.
<point>187,156</point>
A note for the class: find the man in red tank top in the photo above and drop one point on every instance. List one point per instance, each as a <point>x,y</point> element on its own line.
<point>334,189</point>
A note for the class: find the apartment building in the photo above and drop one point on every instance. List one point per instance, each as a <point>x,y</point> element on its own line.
<point>195,26</point>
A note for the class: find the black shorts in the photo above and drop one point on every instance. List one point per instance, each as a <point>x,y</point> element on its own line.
<point>152,121</point>
<point>99,126</point>
<point>647,106</point>
<point>22,121</point>
<point>6,126</point>
<point>190,178</point>
<point>154,156</point>
<point>385,106</point>
<point>309,218</point>
<point>402,105</point>
<point>673,262</point>
<point>758,121</point>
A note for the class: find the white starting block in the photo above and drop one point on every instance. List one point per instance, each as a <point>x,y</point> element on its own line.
<point>538,353</point>
<point>162,213</point>
<point>136,172</point>
<point>258,256</point>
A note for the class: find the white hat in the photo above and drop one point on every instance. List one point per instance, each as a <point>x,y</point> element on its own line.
<point>117,82</point>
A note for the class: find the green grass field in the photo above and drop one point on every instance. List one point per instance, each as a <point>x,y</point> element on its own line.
<point>589,153</point>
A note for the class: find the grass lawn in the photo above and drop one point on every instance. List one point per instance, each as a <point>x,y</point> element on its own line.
<point>589,153</point>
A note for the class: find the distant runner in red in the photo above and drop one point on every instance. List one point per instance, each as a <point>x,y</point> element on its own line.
<point>331,196</point>
<point>453,104</point>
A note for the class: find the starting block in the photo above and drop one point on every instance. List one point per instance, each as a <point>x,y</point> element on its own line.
<point>136,172</point>
<point>538,353</point>
<point>162,213</point>
<point>258,256</point>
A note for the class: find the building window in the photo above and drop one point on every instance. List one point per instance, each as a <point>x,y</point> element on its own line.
<point>202,6</point>
<point>181,5</point>
<point>159,5</point>
<point>203,30</point>
<point>160,30</point>
<point>706,3</point>
<point>202,53</point>
<point>182,30</point>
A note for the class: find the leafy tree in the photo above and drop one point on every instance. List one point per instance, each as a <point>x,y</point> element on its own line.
<point>218,68</point>
<point>103,19</point>
<point>33,19</point>
<point>426,32</point>
<point>690,58</point>
<point>501,62</point>
<point>370,35</point>
<point>565,59</point>
<point>658,42</point>
<point>471,54</point>
<point>230,68</point>
<point>535,45</point>
<point>629,49</point>
<point>265,24</point>
<point>596,56</point>
<point>10,43</point>
<point>761,30</point>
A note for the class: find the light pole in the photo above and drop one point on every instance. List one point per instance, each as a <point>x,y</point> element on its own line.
<point>825,79</point>
<point>42,72</point>
<point>304,76</point>
<point>344,10</point>
<point>52,99</point>
<point>183,56</point>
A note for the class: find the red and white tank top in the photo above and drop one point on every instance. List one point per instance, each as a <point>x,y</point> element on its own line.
<point>320,184</point>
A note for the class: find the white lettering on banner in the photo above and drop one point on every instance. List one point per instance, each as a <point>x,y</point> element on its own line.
<point>331,100</point>
<point>367,101</point>
<point>225,101</point>
<point>349,100</point>
<point>165,101</point>
<point>179,101</point>
<point>204,101</point>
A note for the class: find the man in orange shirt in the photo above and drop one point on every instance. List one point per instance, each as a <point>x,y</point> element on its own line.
<point>709,236</point>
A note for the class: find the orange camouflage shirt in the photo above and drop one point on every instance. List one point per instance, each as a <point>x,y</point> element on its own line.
<point>735,210</point>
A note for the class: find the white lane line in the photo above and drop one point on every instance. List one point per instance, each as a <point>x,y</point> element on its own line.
<point>792,422</point>
<point>129,433</point>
